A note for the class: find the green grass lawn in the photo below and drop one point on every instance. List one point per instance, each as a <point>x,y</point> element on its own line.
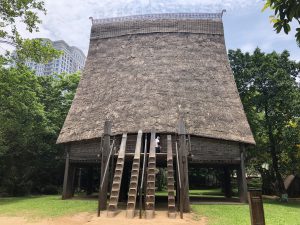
<point>44,206</point>
<point>275,213</point>
<point>214,192</point>
<point>52,206</point>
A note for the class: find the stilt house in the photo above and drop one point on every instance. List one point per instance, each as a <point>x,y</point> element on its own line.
<point>149,75</point>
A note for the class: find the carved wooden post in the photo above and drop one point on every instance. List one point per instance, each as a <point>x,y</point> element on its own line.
<point>241,175</point>
<point>183,164</point>
<point>257,214</point>
<point>104,158</point>
<point>68,177</point>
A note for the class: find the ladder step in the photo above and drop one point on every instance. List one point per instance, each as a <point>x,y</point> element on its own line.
<point>135,169</point>
<point>170,180</point>
<point>114,197</point>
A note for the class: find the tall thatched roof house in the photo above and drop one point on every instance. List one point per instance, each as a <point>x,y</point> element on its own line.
<point>145,72</point>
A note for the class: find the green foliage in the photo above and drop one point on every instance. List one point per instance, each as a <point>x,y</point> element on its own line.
<point>161,179</point>
<point>25,12</point>
<point>284,13</point>
<point>32,112</point>
<point>56,96</point>
<point>271,98</point>
<point>22,120</point>
<point>36,50</point>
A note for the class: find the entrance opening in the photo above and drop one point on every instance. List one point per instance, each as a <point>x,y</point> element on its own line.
<point>212,184</point>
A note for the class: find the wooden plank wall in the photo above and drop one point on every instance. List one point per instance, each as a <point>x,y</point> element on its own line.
<point>207,149</point>
<point>203,149</point>
<point>85,150</point>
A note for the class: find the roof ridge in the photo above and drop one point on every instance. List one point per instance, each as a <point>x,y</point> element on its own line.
<point>157,16</point>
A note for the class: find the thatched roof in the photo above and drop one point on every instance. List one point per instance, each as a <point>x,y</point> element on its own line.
<point>144,72</point>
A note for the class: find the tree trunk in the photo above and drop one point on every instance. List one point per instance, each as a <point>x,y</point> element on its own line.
<point>278,177</point>
<point>279,180</point>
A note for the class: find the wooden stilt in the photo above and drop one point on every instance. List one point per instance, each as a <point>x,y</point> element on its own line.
<point>105,153</point>
<point>79,170</point>
<point>69,176</point>
<point>241,175</point>
<point>183,163</point>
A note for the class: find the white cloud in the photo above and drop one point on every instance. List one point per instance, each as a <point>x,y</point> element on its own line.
<point>248,47</point>
<point>68,20</point>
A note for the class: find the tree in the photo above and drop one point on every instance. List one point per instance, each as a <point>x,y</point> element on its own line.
<point>32,112</point>
<point>271,98</point>
<point>25,12</point>
<point>32,109</point>
<point>22,120</point>
<point>56,96</point>
<point>285,11</point>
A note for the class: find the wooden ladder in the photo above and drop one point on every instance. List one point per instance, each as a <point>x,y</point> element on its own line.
<point>116,185</point>
<point>150,188</point>
<point>134,180</point>
<point>170,179</point>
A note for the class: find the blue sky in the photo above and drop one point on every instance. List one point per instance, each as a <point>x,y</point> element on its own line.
<point>246,27</point>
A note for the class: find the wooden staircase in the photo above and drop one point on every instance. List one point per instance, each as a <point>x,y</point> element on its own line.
<point>150,190</point>
<point>170,179</point>
<point>116,185</point>
<point>134,180</point>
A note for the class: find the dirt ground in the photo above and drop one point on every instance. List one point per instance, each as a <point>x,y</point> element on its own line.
<point>161,218</point>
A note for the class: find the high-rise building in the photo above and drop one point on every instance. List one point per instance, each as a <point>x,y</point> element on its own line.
<point>70,61</point>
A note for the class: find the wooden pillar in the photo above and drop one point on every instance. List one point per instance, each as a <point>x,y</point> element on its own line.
<point>69,176</point>
<point>89,186</point>
<point>104,161</point>
<point>241,175</point>
<point>227,183</point>
<point>79,179</point>
<point>183,164</point>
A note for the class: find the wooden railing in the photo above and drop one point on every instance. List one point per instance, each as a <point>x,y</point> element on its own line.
<point>105,173</point>
<point>142,185</point>
<point>179,192</point>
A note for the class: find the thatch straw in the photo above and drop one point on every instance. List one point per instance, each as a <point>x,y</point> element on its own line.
<point>147,73</point>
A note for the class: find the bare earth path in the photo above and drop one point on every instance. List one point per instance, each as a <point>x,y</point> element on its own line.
<point>91,219</point>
